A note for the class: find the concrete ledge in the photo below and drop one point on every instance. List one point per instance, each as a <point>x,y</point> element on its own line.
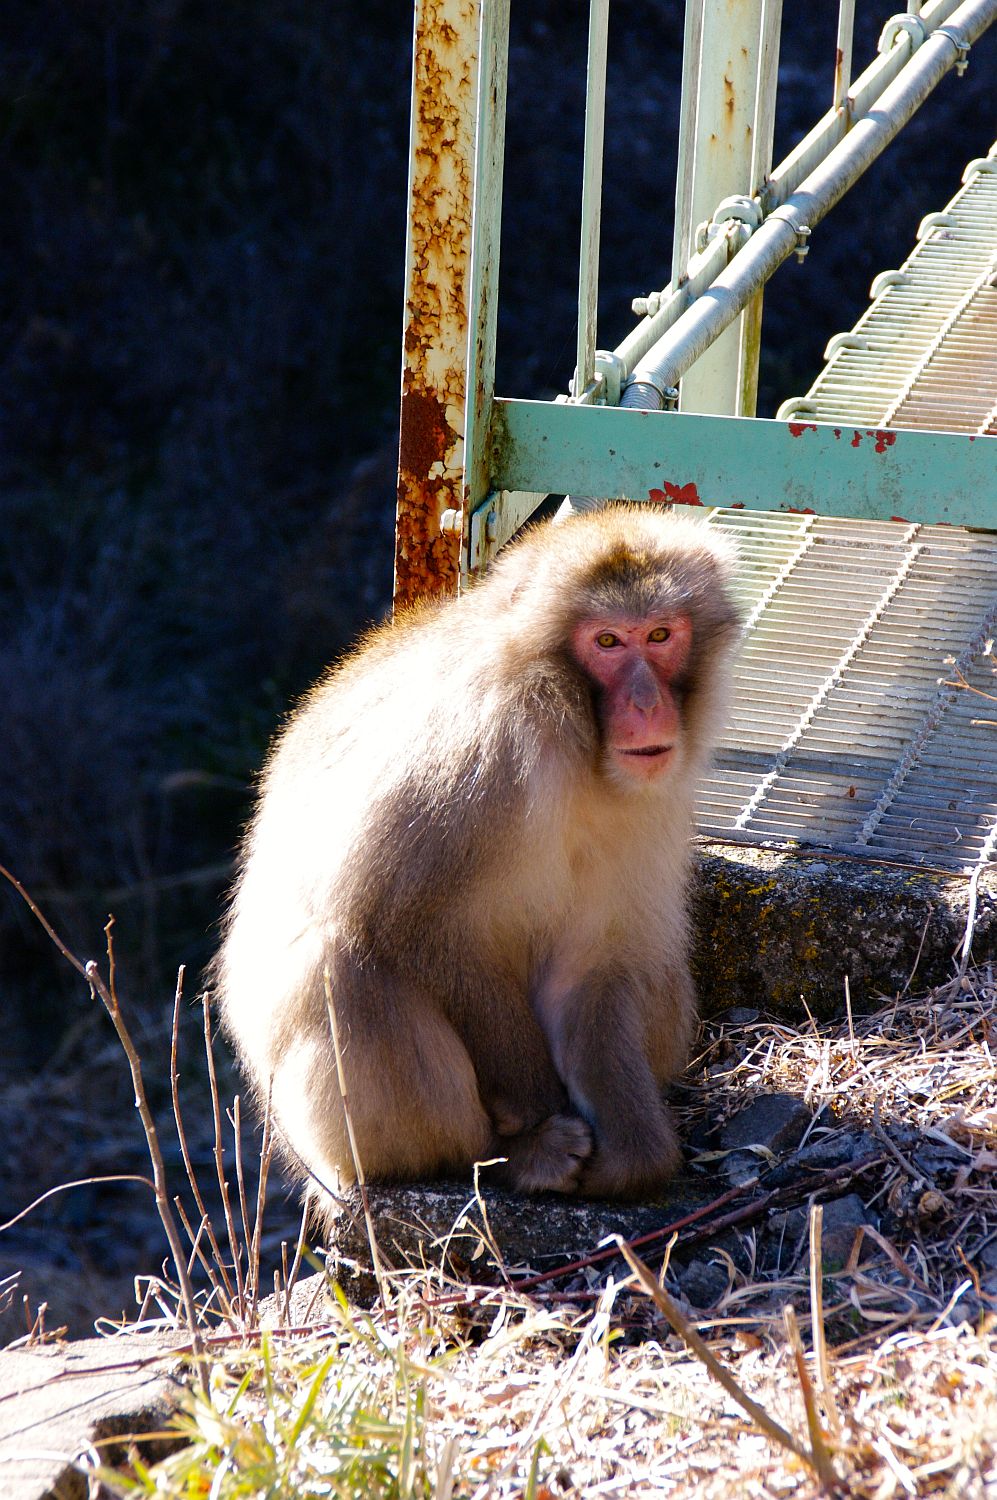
<point>771,926</point>
<point>66,1407</point>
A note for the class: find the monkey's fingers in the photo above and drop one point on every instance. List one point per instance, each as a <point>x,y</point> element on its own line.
<point>550,1157</point>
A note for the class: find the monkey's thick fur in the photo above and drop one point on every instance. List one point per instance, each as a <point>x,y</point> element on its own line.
<point>444,846</point>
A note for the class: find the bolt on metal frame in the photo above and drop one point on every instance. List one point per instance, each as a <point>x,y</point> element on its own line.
<point>473,467</point>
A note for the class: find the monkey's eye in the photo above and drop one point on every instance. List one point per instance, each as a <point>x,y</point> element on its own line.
<point>607,639</point>
<point>660,634</point>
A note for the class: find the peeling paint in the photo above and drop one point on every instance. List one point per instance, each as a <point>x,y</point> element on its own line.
<point>676,494</point>
<point>882,437</point>
<point>797,429</point>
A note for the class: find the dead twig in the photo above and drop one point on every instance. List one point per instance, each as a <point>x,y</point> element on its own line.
<point>818,1446</point>
<point>792,1193</point>
<point>223,1187</point>
<point>108,995</point>
<point>772,1429</point>
<point>598,1256</point>
<point>266,1151</point>
<point>218,1277</point>
<point>64,1187</point>
<point>290,1277</point>
<point>817,1334</point>
<point>354,1152</point>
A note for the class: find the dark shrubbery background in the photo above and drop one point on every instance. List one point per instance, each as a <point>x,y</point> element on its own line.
<point>201,264</point>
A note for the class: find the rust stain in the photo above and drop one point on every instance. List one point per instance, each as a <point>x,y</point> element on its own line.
<point>426,435</point>
<point>856,440</point>
<point>430,457</point>
<point>902,519</point>
<point>797,429</point>
<point>427,560</point>
<point>840,82</point>
<point>800,510</point>
<point>676,494</point>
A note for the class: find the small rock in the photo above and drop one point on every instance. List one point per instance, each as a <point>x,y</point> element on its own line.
<point>843,1217</point>
<point>835,1148</point>
<point>934,1157</point>
<point>703,1282</point>
<point>738,1015</point>
<point>784,1240</point>
<point>774,1122</point>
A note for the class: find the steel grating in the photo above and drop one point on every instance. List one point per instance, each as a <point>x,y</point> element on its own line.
<point>924,355</point>
<point>858,723</point>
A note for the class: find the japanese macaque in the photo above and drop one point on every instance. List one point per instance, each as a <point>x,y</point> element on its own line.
<point>472,840</point>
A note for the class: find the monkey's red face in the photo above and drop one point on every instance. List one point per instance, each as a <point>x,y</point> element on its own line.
<point>638,667</point>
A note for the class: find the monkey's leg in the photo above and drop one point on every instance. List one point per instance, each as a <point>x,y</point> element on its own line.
<point>670,1023</point>
<point>601,1045</point>
<point>411,1089</point>
<point>544,1142</point>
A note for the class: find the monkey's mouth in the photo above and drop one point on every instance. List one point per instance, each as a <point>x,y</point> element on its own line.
<point>648,750</point>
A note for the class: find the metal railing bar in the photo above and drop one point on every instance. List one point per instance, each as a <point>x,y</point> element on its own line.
<point>691,51</point>
<point>828,140</point>
<point>843,56</point>
<point>865,92</point>
<point>588,265</point>
<point>778,236</point>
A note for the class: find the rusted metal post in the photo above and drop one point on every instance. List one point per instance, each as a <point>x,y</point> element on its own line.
<point>430,515</point>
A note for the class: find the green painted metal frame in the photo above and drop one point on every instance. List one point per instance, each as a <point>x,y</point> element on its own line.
<point>866,473</point>
<point>516,452</point>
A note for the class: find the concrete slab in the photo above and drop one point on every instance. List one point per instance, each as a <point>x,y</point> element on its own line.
<point>772,926</point>
<point>64,1408</point>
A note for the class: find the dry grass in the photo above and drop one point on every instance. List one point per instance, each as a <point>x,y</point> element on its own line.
<point>891,1389</point>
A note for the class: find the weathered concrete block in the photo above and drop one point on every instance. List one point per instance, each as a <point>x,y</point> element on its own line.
<point>774,928</point>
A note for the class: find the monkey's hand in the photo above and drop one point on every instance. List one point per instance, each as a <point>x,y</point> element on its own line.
<point>550,1157</point>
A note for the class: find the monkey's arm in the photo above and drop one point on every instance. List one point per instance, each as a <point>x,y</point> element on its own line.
<point>601,1045</point>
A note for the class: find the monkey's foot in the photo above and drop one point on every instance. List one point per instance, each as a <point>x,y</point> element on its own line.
<point>621,1174</point>
<point>550,1157</point>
